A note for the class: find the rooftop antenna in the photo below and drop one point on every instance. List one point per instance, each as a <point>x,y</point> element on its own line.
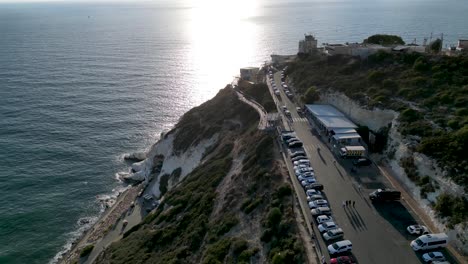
<point>414,41</point>
<point>430,39</point>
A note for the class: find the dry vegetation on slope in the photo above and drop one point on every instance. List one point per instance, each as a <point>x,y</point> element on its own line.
<point>236,207</point>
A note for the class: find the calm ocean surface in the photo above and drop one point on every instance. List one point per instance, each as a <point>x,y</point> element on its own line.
<point>83,84</point>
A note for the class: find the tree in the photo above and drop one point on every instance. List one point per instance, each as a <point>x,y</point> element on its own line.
<point>311,95</point>
<point>385,40</point>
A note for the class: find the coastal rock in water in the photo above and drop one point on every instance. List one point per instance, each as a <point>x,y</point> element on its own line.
<point>137,156</point>
<point>138,176</point>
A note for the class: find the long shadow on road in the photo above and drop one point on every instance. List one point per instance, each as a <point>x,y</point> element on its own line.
<point>397,215</point>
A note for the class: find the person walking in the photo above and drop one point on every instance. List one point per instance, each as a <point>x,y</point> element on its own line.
<point>354,202</point>
<point>344,204</point>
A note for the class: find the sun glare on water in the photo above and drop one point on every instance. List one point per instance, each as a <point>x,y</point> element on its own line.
<point>222,41</point>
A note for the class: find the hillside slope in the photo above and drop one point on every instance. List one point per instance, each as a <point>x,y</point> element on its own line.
<point>235,207</point>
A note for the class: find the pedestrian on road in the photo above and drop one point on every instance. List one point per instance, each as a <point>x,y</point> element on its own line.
<point>354,202</point>
<point>359,187</point>
<point>344,204</point>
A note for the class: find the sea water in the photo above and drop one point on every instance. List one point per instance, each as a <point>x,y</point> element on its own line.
<point>82,84</point>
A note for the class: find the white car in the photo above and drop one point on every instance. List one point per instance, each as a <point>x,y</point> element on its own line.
<point>340,247</point>
<point>302,178</point>
<point>287,113</point>
<point>304,170</point>
<point>314,197</point>
<point>300,166</point>
<point>417,230</point>
<point>284,108</point>
<point>318,203</point>
<point>326,226</point>
<point>312,192</point>
<point>308,181</point>
<point>433,256</point>
<point>321,210</point>
<point>303,161</point>
<point>324,218</point>
<point>277,92</point>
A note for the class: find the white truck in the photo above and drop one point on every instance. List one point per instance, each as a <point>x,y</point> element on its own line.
<point>352,152</point>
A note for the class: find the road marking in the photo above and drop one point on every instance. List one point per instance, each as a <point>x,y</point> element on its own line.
<point>300,119</point>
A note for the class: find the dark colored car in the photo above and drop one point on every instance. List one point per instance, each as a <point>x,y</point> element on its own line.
<point>295,144</point>
<point>315,186</point>
<point>362,162</point>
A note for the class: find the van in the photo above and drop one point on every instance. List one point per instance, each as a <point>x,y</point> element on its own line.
<point>430,241</point>
<point>332,234</point>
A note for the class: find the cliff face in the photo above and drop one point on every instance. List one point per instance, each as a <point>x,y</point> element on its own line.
<point>234,206</point>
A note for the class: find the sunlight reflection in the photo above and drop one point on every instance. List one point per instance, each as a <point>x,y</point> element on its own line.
<point>223,40</point>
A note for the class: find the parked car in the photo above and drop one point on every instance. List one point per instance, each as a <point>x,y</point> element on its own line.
<point>362,162</point>
<point>327,226</point>
<point>315,186</point>
<point>286,136</point>
<point>295,144</point>
<point>303,161</point>
<point>321,210</point>
<point>298,158</point>
<point>323,218</point>
<point>297,153</point>
<point>340,247</point>
<point>292,139</point>
<point>287,113</point>
<point>300,166</point>
<point>318,203</point>
<point>433,256</point>
<point>332,234</point>
<point>314,197</point>
<point>343,260</point>
<point>308,181</point>
<point>417,230</point>
<point>303,170</point>
<point>302,178</point>
<point>312,192</point>
<point>284,108</point>
<point>277,93</point>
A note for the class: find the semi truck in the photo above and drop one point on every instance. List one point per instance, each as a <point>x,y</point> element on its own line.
<point>352,151</point>
<point>384,195</point>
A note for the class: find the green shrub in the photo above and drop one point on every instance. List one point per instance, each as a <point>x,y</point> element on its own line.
<point>385,40</point>
<point>274,217</point>
<point>86,250</point>
<point>455,208</point>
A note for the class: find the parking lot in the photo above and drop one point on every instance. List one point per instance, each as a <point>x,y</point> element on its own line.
<point>377,232</point>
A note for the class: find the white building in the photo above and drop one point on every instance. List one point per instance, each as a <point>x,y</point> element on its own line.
<point>308,44</point>
<point>334,124</point>
<point>462,45</point>
<point>249,73</point>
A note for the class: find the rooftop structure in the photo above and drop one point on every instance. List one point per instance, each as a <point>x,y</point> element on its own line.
<point>308,44</point>
<point>323,110</point>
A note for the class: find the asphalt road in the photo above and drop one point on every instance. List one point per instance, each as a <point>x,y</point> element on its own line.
<point>377,233</point>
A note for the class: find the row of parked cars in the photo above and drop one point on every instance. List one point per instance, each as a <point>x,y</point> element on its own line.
<point>318,204</point>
